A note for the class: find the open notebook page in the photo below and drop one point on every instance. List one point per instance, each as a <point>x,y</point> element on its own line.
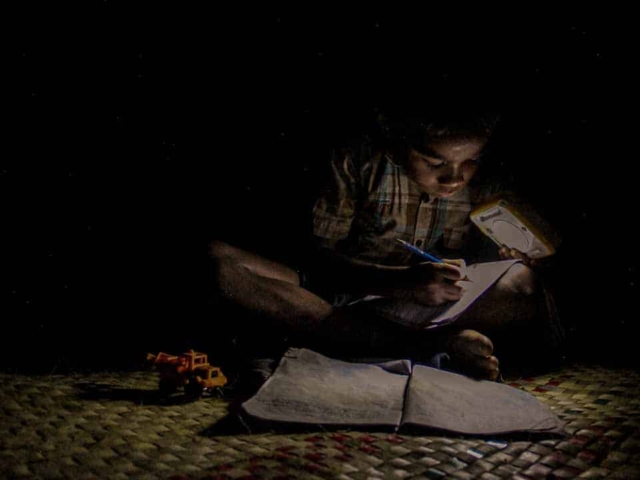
<point>308,387</point>
<point>448,401</point>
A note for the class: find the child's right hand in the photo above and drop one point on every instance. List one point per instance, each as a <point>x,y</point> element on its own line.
<point>460,262</point>
<point>434,283</point>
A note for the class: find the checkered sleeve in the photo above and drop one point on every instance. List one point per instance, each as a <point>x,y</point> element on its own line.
<point>335,209</point>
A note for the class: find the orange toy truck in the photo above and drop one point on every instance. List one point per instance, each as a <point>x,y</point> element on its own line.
<point>190,370</point>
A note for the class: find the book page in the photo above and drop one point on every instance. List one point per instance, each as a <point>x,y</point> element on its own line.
<point>481,276</point>
<point>308,387</point>
<point>452,402</point>
<point>414,315</point>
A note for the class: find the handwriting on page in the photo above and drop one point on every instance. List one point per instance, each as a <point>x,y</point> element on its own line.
<point>311,388</point>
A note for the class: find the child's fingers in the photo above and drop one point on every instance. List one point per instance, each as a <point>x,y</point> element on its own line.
<point>456,261</point>
<point>506,253</point>
<point>450,295</point>
<point>517,254</point>
<point>447,271</point>
<point>514,253</point>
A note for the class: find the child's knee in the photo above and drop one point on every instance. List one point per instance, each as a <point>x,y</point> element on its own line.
<point>224,263</point>
<point>519,280</point>
<point>218,250</point>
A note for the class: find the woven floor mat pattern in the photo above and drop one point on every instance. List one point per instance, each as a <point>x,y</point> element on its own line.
<point>115,425</point>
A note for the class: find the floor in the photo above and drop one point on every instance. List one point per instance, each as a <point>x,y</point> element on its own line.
<point>116,425</point>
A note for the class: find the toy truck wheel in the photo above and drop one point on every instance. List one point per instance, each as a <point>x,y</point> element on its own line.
<point>217,392</point>
<point>193,387</point>
<point>167,386</point>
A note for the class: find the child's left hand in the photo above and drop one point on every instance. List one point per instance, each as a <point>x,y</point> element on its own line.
<point>512,253</point>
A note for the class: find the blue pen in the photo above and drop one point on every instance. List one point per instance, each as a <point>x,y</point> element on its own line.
<point>426,255</point>
<point>417,251</point>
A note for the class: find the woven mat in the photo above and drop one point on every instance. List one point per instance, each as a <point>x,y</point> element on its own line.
<point>113,425</point>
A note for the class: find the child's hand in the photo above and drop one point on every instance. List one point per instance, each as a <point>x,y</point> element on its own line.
<point>430,283</point>
<point>458,262</point>
<point>507,253</point>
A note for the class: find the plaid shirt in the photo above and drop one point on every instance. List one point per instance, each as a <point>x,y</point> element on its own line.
<point>371,201</point>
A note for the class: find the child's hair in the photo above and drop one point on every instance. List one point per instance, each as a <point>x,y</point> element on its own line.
<point>447,116</point>
<point>415,130</point>
<point>455,123</point>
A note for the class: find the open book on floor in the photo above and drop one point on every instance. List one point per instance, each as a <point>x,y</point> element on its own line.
<point>309,388</point>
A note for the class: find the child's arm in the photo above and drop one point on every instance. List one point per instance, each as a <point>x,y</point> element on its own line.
<point>424,283</point>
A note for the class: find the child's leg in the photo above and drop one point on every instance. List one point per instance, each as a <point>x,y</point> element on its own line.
<point>264,287</point>
<point>519,315</point>
<point>512,300</point>
<point>273,310</point>
<point>270,306</point>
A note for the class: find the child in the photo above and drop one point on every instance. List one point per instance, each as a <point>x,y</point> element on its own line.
<point>416,185</point>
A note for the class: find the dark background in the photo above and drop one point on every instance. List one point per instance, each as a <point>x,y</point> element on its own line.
<point>141,133</point>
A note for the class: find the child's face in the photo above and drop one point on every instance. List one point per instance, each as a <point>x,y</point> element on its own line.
<point>446,165</point>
